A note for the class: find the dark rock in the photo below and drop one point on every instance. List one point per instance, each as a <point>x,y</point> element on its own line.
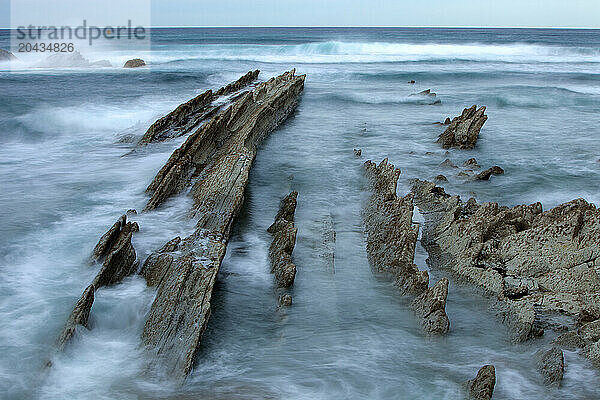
<point>485,175</point>
<point>285,300</point>
<point>412,82</point>
<point>190,115</point>
<point>134,63</point>
<point>448,164</point>
<point>357,152</point>
<point>428,95</point>
<point>284,239</point>
<point>463,131</point>
<point>551,364</point>
<point>6,55</point>
<point>447,121</point>
<point>482,387</point>
<point>441,178</point>
<point>215,160</point>
<point>79,316</point>
<point>471,163</point>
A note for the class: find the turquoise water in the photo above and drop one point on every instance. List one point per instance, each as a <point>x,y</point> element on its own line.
<point>348,334</point>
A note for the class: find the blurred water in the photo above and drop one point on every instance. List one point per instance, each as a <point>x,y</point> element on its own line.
<point>348,334</point>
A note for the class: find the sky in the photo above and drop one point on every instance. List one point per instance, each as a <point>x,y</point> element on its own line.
<point>495,13</point>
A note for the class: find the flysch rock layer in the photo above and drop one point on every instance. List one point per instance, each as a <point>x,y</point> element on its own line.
<point>463,131</point>
<point>189,115</point>
<point>391,242</point>
<point>536,264</point>
<point>215,160</point>
<point>482,387</point>
<point>119,260</point>
<point>284,239</point>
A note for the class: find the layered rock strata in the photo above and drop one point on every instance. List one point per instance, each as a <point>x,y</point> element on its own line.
<point>391,242</point>
<point>535,264</point>
<point>463,131</point>
<point>284,233</point>
<point>482,387</point>
<point>119,260</point>
<point>191,114</point>
<point>215,161</point>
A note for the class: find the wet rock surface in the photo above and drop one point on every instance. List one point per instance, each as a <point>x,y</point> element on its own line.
<point>551,364</point>
<point>391,242</point>
<point>79,316</point>
<point>134,63</point>
<point>284,233</point>
<point>535,264</point>
<point>485,175</point>
<point>215,161</point>
<point>190,115</point>
<point>463,131</point>
<point>482,387</point>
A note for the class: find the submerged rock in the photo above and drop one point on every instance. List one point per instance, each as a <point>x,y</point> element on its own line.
<point>441,178</point>
<point>134,63</point>
<point>284,239</point>
<point>551,364</point>
<point>215,161</point>
<point>463,131</point>
<point>285,300</point>
<point>190,115</point>
<point>357,152</point>
<point>391,242</point>
<point>471,163</point>
<point>533,263</point>
<point>447,163</point>
<point>427,94</point>
<point>482,387</point>
<point>485,175</point>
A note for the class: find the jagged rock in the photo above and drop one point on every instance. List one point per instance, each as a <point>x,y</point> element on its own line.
<point>570,341</point>
<point>284,239</point>
<point>430,307</point>
<point>191,114</point>
<point>447,121</point>
<point>447,163</point>
<point>391,242</point>
<point>79,316</point>
<point>463,131</point>
<point>215,160</point>
<point>533,263</point>
<point>6,55</point>
<point>485,175</point>
<point>285,300</point>
<point>427,94</point>
<point>441,178</point>
<point>472,164</point>
<point>357,152</point>
<point>482,387</point>
<point>551,364</point>
<point>134,63</point>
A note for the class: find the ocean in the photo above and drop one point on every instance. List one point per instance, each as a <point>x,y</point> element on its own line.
<point>67,175</point>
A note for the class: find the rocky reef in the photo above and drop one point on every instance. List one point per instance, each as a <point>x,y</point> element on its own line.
<point>190,115</point>
<point>482,387</point>
<point>215,162</point>
<point>284,239</point>
<point>463,131</point>
<point>119,260</point>
<point>391,242</point>
<point>134,63</point>
<point>534,264</point>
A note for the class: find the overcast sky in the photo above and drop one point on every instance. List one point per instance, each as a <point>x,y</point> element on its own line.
<point>520,13</point>
<point>542,13</point>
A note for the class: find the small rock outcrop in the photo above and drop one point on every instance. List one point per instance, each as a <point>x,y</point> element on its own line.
<point>357,152</point>
<point>6,55</point>
<point>532,264</point>
<point>463,131</point>
<point>482,387</point>
<point>284,239</point>
<point>429,95</point>
<point>115,251</point>
<point>485,175</point>
<point>134,63</point>
<point>391,242</point>
<point>471,163</point>
<point>585,337</point>
<point>551,364</point>
<point>215,161</point>
<point>190,115</point>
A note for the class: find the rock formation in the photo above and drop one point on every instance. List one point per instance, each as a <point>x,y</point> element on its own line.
<point>284,239</point>
<point>134,63</point>
<point>585,337</point>
<point>391,242</point>
<point>190,115</point>
<point>463,131</point>
<point>551,364</point>
<point>215,161</point>
<point>119,261</point>
<point>485,175</point>
<point>6,55</point>
<point>429,95</point>
<point>534,264</point>
<point>482,387</point>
